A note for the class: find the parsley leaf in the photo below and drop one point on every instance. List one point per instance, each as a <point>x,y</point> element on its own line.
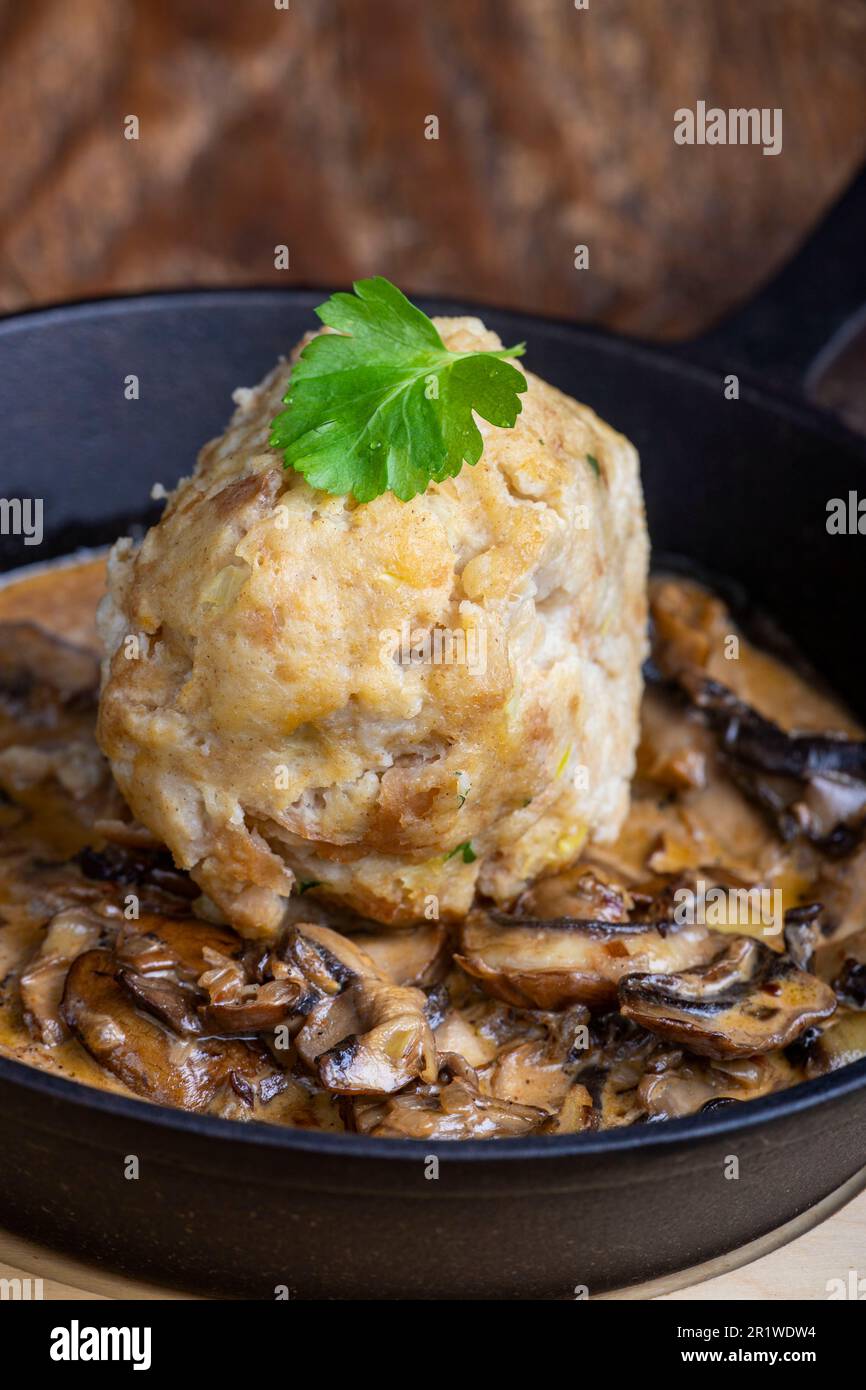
<point>465,849</point>
<point>382,404</point>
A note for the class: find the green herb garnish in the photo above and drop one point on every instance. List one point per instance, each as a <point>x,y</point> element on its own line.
<point>594,464</point>
<point>382,404</point>
<point>305,884</point>
<point>469,855</point>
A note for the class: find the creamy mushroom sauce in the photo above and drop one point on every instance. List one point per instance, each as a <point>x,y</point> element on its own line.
<point>589,1005</point>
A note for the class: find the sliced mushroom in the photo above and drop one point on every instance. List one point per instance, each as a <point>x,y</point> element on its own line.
<point>536,1066</point>
<point>198,976</point>
<point>418,956</point>
<point>802,932</point>
<point>528,1074</point>
<point>575,1113</point>
<point>579,892</point>
<point>161,888</point>
<point>674,752</point>
<point>452,1107</point>
<point>372,1039</point>
<point>536,964</point>
<point>689,624</point>
<point>748,1000</point>
<point>154,944</point>
<point>167,999</point>
<point>363,1034</point>
<point>760,743</point>
<point>328,960</point>
<point>808,784</point>
<point>850,984</point>
<point>842,963</point>
<point>615,1057</point>
<point>69,933</point>
<point>839,1043</point>
<point>237,1004</point>
<point>142,1053</point>
<point>41,675</point>
<point>688,1084</point>
<point>840,887</point>
<point>161,960</point>
<point>76,765</point>
<point>669,1095</point>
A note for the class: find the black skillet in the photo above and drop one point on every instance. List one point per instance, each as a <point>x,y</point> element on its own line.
<point>738,486</point>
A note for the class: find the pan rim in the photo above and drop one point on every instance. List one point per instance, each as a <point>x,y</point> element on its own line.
<point>691,1129</point>
<point>673,356</point>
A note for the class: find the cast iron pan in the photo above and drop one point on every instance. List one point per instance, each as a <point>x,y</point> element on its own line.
<point>738,486</point>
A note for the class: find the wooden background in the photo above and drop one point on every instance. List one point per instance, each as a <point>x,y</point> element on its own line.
<point>262,126</point>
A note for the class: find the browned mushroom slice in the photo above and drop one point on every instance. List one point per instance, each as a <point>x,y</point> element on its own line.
<point>686,1084</point>
<point>476,1026</point>
<point>365,1034</point>
<point>689,624</point>
<point>167,999</point>
<point>143,1054</point>
<point>674,752</point>
<point>757,741</point>
<point>69,933</point>
<point>41,675</point>
<point>574,1114</point>
<point>803,933</point>
<point>610,1067</point>
<point>418,956</point>
<point>75,765</point>
<point>842,963</point>
<point>328,960</point>
<point>155,944</point>
<point>452,1107</point>
<point>578,892</point>
<point>160,887</point>
<point>129,835</point>
<point>838,1043</point>
<point>748,1000</point>
<point>535,964</point>
<point>372,1039</point>
<point>536,1064</point>
<point>529,1074</point>
<point>806,783</point>
<point>179,968</point>
<point>239,1004</point>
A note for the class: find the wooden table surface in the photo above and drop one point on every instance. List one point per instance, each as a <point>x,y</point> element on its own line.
<point>304,126</point>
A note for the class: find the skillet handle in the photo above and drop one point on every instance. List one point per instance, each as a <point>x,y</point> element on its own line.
<point>813,306</point>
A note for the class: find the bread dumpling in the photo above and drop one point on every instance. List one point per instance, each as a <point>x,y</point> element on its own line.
<point>403,703</point>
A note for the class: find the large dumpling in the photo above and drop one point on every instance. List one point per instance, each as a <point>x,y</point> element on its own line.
<point>401,703</point>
